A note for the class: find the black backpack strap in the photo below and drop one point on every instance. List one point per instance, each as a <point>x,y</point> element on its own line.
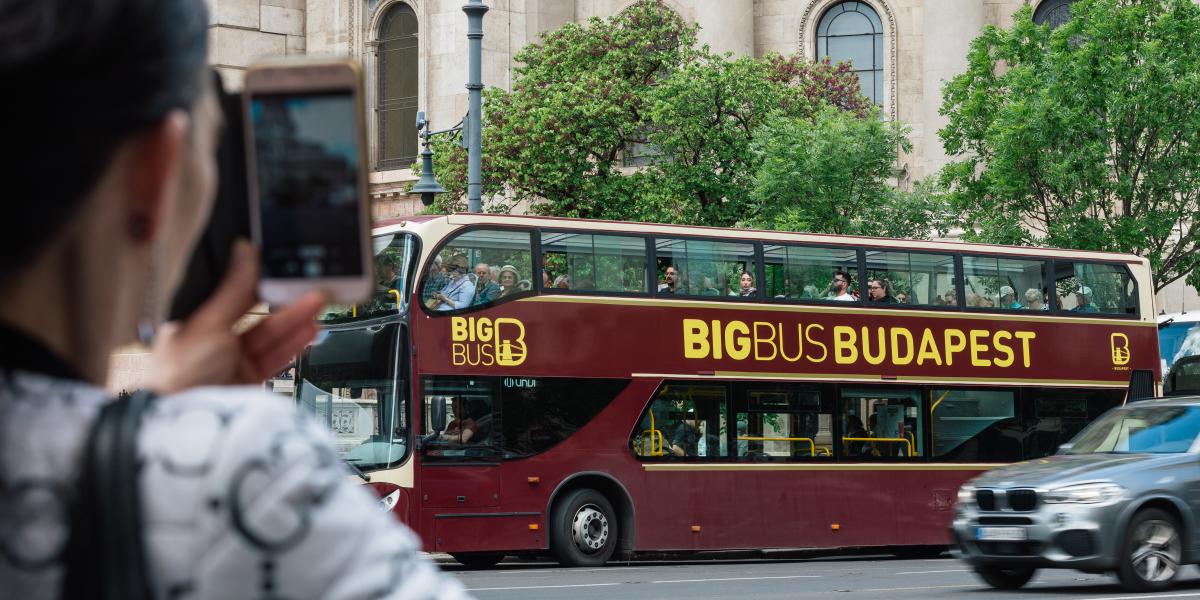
<point>106,557</point>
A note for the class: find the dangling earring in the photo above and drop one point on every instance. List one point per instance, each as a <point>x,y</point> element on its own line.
<point>152,311</point>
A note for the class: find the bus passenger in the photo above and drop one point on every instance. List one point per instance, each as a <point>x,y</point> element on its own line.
<point>708,287</point>
<point>671,281</point>
<point>686,439</point>
<point>563,282</point>
<point>1083,301</point>
<point>435,281</point>
<point>745,285</point>
<point>547,280</point>
<point>840,287</point>
<point>486,290</point>
<point>1008,298</point>
<point>508,280</point>
<point>901,297</point>
<point>1033,299</point>
<point>459,291</point>
<point>855,429</point>
<point>879,291</point>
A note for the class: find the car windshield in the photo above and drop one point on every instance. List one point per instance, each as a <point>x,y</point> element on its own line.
<point>1178,340</point>
<point>1140,429</point>
<point>393,268</point>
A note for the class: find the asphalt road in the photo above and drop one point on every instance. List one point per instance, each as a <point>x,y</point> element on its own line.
<point>815,578</point>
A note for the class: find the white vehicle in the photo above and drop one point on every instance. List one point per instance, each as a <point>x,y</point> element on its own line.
<point>1178,336</point>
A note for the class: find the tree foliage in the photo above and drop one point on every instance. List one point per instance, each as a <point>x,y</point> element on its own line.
<point>831,174</point>
<point>1087,136</point>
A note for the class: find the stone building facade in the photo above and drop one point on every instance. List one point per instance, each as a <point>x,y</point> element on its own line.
<point>917,46</point>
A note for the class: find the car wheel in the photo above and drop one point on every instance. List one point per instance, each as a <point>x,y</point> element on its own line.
<point>584,529</point>
<point>1150,556</point>
<point>1004,579</point>
<point>477,560</point>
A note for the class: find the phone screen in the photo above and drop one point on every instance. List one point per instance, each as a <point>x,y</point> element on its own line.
<point>307,161</point>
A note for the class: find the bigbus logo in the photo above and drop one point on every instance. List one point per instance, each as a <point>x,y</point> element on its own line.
<point>1120,349</point>
<point>487,342</point>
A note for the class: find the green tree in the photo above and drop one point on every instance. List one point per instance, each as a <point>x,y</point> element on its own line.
<point>705,117</point>
<point>831,174</point>
<point>587,93</point>
<point>1087,136</point>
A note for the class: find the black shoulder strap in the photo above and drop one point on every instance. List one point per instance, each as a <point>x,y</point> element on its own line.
<point>106,557</point>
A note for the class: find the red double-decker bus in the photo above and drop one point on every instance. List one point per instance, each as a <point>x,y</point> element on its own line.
<point>586,389</point>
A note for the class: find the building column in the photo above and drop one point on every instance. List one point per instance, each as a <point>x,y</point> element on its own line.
<point>726,26</point>
<point>949,27</point>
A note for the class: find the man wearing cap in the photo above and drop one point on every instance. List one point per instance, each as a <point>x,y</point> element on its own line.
<point>459,290</point>
<point>1083,300</point>
<point>686,439</point>
<point>1008,298</point>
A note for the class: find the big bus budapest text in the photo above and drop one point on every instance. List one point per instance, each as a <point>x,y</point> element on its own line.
<point>592,390</point>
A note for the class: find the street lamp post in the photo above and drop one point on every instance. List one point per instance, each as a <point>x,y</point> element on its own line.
<point>474,126</point>
<point>428,186</point>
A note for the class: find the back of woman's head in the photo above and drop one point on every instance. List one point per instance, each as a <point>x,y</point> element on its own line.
<point>81,77</point>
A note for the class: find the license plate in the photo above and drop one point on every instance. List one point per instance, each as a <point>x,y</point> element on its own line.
<point>1001,534</point>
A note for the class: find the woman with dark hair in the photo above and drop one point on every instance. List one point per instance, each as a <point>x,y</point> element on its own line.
<point>233,493</point>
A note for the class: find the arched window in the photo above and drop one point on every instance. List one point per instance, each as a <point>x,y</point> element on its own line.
<point>1052,13</point>
<point>852,31</point>
<point>397,98</point>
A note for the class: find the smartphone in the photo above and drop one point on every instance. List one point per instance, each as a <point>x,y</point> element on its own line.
<point>307,178</point>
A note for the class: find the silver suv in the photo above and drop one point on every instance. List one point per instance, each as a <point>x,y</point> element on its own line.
<point>1123,496</point>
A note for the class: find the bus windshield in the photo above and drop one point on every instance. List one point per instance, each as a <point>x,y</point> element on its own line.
<point>393,271</point>
<point>348,382</point>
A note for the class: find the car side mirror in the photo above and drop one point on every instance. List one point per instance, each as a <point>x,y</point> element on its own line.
<point>437,415</point>
<point>1063,448</point>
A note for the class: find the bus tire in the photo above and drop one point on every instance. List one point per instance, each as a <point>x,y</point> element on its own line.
<point>583,529</point>
<point>477,560</point>
<point>1151,556</point>
<point>1004,578</point>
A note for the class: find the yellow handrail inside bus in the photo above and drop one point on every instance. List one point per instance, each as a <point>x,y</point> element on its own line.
<point>812,446</point>
<point>908,446</point>
<point>396,293</point>
<point>938,401</point>
<point>656,439</point>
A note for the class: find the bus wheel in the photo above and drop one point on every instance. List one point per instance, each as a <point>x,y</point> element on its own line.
<point>584,529</point>
<point>1152,553</point>
<point>477,560</point>
<point>1004,579</point>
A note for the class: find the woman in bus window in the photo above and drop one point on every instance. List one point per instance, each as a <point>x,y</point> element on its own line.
<point>745,285</point>
<point>508,280</point>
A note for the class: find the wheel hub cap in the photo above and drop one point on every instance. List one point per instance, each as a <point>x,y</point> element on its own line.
<point>1156,551</point>
<point>589,529</point>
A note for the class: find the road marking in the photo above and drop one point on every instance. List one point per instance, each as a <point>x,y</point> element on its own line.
<point>1141,596</point>
<point>928,587</point>
<point>556,569</point>
<point>540,587</point>
<point>924,572</point>
<point>737,578</point>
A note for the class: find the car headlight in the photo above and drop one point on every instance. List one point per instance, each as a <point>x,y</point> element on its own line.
<point>966,495</point>
<point>1084,493</point>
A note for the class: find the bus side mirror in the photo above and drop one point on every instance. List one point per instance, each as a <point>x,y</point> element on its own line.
<point>437,415</point>
<point>1064,448</point>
